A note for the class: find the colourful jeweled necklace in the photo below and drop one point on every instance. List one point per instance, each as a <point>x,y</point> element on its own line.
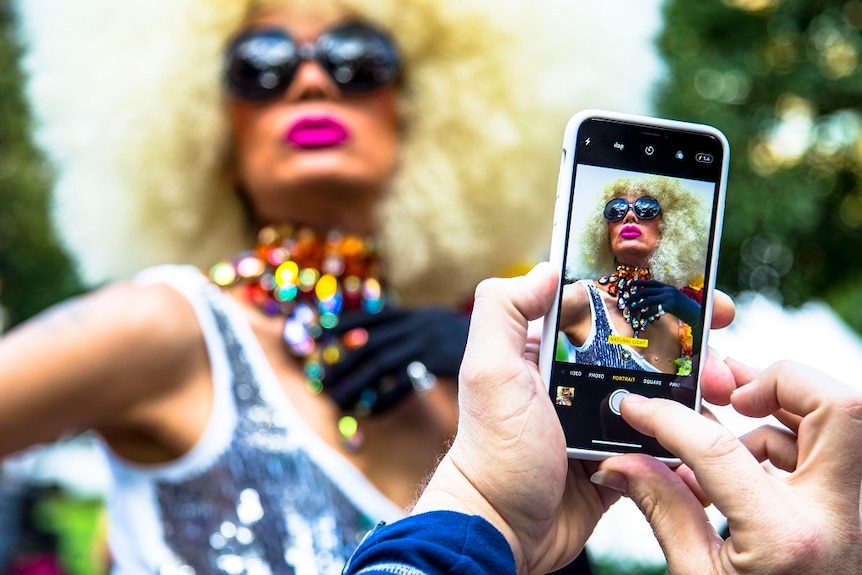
<point>620,285</point>
<point>311,278</point>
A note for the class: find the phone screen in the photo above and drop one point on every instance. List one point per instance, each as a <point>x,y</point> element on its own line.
<point>640,246</point>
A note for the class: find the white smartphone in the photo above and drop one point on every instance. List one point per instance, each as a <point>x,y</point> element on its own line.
<point>636,232</point>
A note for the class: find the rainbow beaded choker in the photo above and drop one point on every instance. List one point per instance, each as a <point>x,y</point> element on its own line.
<point>620,284</point>
<point>310,277</point>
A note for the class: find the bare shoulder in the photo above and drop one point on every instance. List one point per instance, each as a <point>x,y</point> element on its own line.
<point>575,314</point>
<point>98,360</point>
<point>151,312</point>
<point>126,312</point>
<point>576,299</point>
<point>120,335</point>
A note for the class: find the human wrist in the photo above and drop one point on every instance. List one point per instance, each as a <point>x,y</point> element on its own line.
<point>450,489</point>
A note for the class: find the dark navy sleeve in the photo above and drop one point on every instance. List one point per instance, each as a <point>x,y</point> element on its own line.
<point>431,544</point>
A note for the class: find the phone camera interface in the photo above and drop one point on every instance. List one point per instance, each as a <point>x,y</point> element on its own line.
<point>631,308</point>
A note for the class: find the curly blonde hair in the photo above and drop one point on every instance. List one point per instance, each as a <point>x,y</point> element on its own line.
<point>680,256</point>
<point>130,112</point>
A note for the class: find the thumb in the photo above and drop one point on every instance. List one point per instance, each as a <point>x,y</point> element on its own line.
<point>502,308</point>
<point>496,381</point>
<point>677,518</point>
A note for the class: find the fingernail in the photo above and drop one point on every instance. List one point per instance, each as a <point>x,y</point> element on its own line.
<point>634,398</point>
<point>611,480</point>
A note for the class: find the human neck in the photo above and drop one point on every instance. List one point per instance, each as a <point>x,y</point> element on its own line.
<point>319,206</point>
<point>643,263</point>
<point>320,227</point>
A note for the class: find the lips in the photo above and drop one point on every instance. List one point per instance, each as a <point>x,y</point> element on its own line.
<point>630,232</point>
<point>317,132</point>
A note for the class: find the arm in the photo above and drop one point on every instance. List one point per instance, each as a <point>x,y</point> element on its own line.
<point>113,360</point>
<point>575,316</point>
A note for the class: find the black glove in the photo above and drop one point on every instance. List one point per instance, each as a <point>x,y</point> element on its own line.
<point>371,378</point>
<point>652,294</point>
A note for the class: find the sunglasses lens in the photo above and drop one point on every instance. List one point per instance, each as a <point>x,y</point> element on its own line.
<point>261,64</point>
<point>359,58</point>
<point>616,209</point>
<point>646,208</point>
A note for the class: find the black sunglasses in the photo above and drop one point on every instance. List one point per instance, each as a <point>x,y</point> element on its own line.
<point>262,62</point>
<point>645,208</point>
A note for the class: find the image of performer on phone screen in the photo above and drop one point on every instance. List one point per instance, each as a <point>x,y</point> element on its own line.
<point>643,248</point>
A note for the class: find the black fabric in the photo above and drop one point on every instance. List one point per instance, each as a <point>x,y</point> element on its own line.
<point>580,566</point>
<point>376,373</point>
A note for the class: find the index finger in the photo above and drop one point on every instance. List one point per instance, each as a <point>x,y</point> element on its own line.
<point>831,417</point>
<point>721,378</point>
<point>743,375</point>
<point>727,472</point>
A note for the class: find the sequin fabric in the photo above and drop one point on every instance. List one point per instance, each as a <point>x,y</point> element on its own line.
<point>599,351</point>
<point>263,506</point>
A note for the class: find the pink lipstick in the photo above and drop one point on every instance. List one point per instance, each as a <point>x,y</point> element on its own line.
<point>316,132</point>
<point>630,232</point>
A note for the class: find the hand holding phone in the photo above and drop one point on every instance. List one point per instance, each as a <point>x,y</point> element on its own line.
<point>636,230</point>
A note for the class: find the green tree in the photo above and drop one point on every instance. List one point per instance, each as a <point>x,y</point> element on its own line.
<point>34,271</point>
<point>782,79</point>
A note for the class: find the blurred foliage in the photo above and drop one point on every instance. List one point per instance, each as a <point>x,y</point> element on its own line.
<point>49,528</point>
<point>34,272</point>
<point>782,80</point>
<point>607,566</point>
<point>80,526</point>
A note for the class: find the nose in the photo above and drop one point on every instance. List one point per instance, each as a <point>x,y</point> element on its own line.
<point>630,216</point>
<point>311,83</point>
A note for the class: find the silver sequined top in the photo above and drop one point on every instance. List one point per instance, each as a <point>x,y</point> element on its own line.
<point>596,350</point>
<point>263,496</point>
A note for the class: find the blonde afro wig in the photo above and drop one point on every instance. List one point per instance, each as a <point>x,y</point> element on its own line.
<point>129,109</point>
<point>680,256</point>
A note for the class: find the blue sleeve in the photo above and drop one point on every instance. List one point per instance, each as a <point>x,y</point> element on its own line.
<point>433,543</point>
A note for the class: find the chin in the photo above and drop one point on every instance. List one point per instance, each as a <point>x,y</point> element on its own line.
<point>318,161</point>
<point>334,167</point>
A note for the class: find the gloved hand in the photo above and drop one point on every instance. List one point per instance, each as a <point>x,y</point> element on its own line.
<point>373,376</point>
<point>652,294</point>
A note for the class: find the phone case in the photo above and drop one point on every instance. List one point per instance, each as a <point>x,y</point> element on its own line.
<point>666,132</point>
